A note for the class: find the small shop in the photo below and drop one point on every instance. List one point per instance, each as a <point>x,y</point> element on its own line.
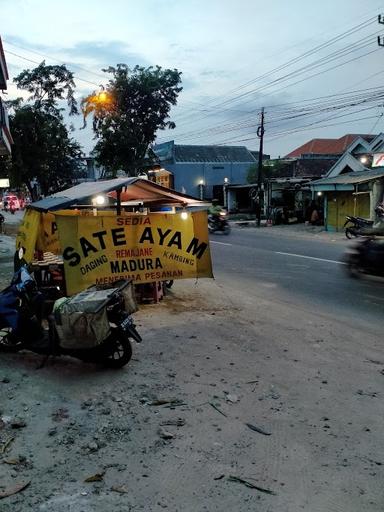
<point>284,199</point>
<point>355,193</point>
<point>288,199</point>
<point>104,231</point>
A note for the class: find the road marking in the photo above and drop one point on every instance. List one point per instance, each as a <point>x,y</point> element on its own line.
<point>221,243</point>
<point>311,258</point>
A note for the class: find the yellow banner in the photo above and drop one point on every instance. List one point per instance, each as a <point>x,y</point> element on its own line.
<point>28,233</point>
<point>48,239</point>
<point>156,247</point>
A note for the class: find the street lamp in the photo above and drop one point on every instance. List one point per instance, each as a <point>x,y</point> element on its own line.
<point>99,200</point>
<point>225,199</point>
<point>201,189</point>
<point>103,97</point>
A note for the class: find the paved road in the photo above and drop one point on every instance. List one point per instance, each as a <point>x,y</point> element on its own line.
<point>308,273</point>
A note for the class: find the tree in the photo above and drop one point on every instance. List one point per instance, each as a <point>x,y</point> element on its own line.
<point>272,170</point>
<point>126,116</point>
<point>49,84</point>
<point>43,150</point>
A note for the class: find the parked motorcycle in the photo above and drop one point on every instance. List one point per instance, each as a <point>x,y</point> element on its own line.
<point>32,319</point>
<point>355,225</point>
<point>366,257</point>
<point>219,223</point>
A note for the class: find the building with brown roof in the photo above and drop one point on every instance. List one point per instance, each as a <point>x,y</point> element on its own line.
<point>354,185</point>
<point>327,148</point>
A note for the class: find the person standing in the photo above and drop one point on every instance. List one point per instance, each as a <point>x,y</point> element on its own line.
<point>12,206</point>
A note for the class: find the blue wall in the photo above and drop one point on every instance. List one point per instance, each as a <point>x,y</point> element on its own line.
<point>188,175</point>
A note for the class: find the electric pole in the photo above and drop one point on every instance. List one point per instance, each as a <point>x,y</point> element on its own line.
<point>260,134</point>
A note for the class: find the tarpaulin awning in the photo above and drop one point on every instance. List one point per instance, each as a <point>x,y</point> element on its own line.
<point>148,192</point>
<point>132,189</point>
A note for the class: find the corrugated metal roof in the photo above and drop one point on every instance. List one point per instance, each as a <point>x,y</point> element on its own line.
<point>79,193</point>
<point>212,154</point>
<point>139,189</point>
<point>351,178</point>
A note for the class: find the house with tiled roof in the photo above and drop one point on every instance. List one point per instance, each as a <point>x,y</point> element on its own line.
<point>5,134</point>
<point>327,148</point>
<point>203,171</point>
<point>354,185</point>
<point>314,158</point>
<point>289,187</point>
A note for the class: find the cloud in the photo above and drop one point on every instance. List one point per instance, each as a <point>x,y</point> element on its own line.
<point>217,73</point>
<point>106,54</point>
<point>90,56</point>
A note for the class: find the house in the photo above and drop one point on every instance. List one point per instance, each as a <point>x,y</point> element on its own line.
<point>326,149</point>
<point>288,185</point>
<point>289,178</point>
<point>5,134</point>
<point>204,171</point>
<point>355,183</point>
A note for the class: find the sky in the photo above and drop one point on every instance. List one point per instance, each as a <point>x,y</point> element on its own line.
<point>316,67</point>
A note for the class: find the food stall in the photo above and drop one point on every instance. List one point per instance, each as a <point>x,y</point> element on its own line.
<point>125,228</point>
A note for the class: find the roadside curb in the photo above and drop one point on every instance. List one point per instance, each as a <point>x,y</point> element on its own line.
<point>309,233</point>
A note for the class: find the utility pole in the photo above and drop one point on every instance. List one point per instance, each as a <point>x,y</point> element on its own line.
<point>380,39</point>
<point>260,134</point>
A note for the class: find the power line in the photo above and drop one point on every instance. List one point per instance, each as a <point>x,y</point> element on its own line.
<point>309,53</point>
<point>282,135</point>
<point>292,61</point>
<point>200,132</point>
<point>376,123</point>
<point>317,106</point>
<point>36,62</point>
<point>54,59</point>
<point>372,102</point>
<point>320,62</point>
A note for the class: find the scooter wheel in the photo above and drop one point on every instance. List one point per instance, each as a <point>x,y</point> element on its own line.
<point>348,233</point>
<point>8,342</point>
<point>227,230</point>
<point>121,353</point>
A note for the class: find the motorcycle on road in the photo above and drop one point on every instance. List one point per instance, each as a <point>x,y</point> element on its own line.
<point>219,223</point>
<point>366,257</point>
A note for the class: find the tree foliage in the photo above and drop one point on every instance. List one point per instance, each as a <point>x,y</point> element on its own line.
<point>272,170</point>
<point>43,151</point>
<point>135,104</point>
<point>49,84</point>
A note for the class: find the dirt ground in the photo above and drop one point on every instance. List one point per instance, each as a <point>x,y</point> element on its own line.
<point>169,431</point>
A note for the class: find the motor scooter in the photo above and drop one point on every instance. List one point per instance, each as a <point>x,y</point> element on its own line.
<point>219,223</point>
<point>366,257</point>
<point>30,321</point>
<point>355,225</point>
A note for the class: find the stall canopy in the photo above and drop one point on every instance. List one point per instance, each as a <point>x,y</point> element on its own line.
<point>91,245</point>
<point>131,189</point>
